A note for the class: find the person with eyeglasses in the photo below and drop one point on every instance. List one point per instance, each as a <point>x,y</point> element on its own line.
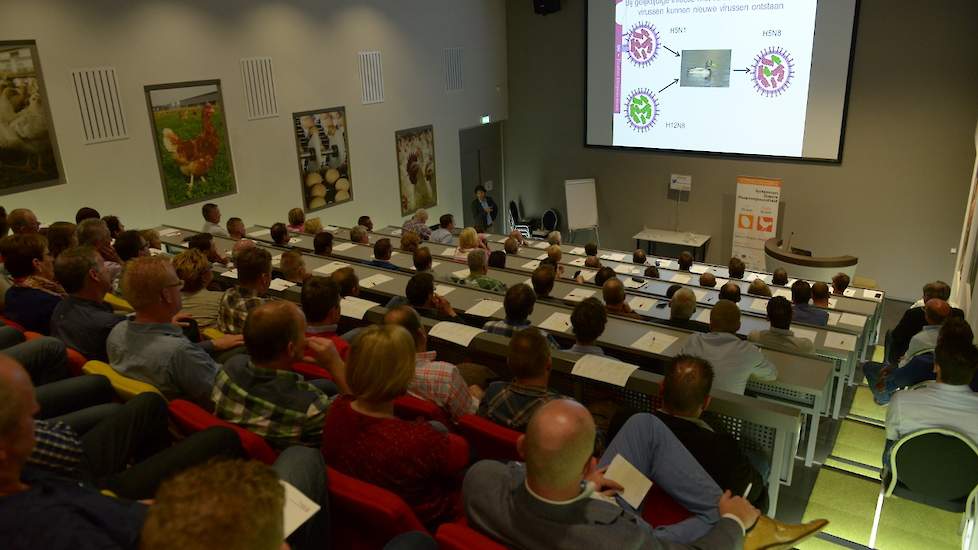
<point>22,221</point>
<point>151,346</point>
<point>34,294</point>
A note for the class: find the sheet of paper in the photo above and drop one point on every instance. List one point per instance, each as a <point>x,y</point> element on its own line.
<point>542,256</point>
<point>791,282</point>
<point>579,262</point>
<point>853,319</point>
<point>280,284</point>
<point>557,322</point>
<point>231,273</point>
<point>395,253</point>
<point>635,483</point>
<point>804,333</point>
<point>454,332</point>
<point>532,264</point>
<point>354,307</point>
<point>632,283</point>
<point>579,294</point>
<point>447,252</point>
<point>588,275</point>
<point>340,247</point>
<point>832,302</point>
<point>460,274</point>
<point>603,369</point>
<point>331,228</point>
<point>485,308</point>
<point>720,282</point>
<point>541,244</point>
<point>397,231</point>
<point>641,303</point>
<point>624,269</point>
<point>837,340</point>
<point>329,268</point>
<point>667,264</point>
<point>681,278</point>
<point>849,292</point>
<point>655,342</point>
<point>442,290</point>
<point>374,280</point>
<point>759,305</point>
<point>294,240</point>
<point>699,269</point>
<point>834,317</point>
<point>169,231</point>
<point>872,294</point>
<point>577,251</point>
<point>782,292</point>
<point>276,260</point>
<point>699,293</point>
<point>298,508</point>
<point>702,315</point>
<point>613,256</point>
<point>260,233</point>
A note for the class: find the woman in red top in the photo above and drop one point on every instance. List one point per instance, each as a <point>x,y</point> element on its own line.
<point>362,438</point>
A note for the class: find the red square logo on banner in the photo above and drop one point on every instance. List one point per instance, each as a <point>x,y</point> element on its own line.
<point>745,221</point>
<point>765,223</point>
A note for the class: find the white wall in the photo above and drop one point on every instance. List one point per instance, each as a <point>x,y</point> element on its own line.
<point>313,44</point>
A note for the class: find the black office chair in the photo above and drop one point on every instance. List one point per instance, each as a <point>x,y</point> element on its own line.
<point>936,467</point>
<point>549,222</point>
<point>517,222</point>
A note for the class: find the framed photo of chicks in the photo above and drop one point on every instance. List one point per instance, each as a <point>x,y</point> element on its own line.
<point>191,139</point>
<point>324,157</point>
<point>416,168</point>
<point>28,150</point>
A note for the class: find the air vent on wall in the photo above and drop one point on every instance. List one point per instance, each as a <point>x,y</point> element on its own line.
<point>453,70</point>
<point>97,93</point>
<point>259,87</point>
<point>371,78</point>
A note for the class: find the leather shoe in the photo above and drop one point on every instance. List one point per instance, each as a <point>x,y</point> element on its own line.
<point>770,534</point>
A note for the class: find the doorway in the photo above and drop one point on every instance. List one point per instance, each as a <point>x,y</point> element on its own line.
<point>480,149</point>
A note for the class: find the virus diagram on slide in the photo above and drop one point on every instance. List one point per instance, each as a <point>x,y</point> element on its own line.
<point>772,71</point>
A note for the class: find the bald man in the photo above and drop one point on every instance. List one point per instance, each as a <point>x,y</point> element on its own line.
<point>682,306</point>
<point>262,394</point>
<point>613,292</point>
<point>22,221</point>
<point>734,360</point>
<point>936,311</point>
<point>708,279</point>
<point>730,292</point>
<point>544,503</point>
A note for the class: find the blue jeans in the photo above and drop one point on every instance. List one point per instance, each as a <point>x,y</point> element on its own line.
<point>919,369</point>
<point>650,446</point>
<point>44,359</point>
<point>304,468</point>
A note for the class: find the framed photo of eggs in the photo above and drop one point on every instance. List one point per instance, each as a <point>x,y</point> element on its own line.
<point>324,157</point>
<point>416,168</point>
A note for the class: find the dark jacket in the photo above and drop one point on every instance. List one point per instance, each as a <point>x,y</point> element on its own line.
<point>687,324</point>
<point>911,323</point>
<point>479,214</point>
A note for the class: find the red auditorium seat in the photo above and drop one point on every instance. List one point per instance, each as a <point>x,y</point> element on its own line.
<point>488,439</point>
<point>191,418</point>
<point>12,324</point>
<point>453,536</point>
<point>311,371</point>
<point>660,509</point>
<point>75,360</point>
<point>364,516</point>
<point>408,407</point>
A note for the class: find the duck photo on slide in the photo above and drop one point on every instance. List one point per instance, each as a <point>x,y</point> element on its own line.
<point>705,72</point>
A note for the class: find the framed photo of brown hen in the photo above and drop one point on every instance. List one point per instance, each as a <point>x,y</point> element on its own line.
<point>191,139</point>
<point>323,151</point>
<point>28,149</point>
<point>416,168</point>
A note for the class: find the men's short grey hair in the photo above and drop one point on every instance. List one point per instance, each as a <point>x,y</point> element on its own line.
<point>92,231</point>
<point>358,233</point>
<point>683,304</point>
<point>477,260</point>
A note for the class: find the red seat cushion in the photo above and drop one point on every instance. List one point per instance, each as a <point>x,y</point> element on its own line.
<point>12,324</point>
<point>661,509</point>
<point>311,371</point>
<point>363,515</point>
<point>409,407</point>
<point>191,418</point>
<point>454,536</point>
<point>488,439</point>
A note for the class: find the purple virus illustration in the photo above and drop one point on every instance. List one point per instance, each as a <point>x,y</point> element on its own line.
<point>772,72</point>
<point>641,110</point>
<point>642,44</point>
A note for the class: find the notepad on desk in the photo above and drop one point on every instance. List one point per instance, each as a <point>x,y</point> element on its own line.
<point>632,283</point>
<point>557,322</point>
<point>613,256</point>
<point>294,240</point>
<point>375,280</point>
<point>231,273</point>
<point>485,308</point>
<point>327,269</point>
<point>852,319</point>
<point>460,274</point>
<point>654,342</point>
<point>168,232</point>
<point>454,332</point>
<point>699,269</point>
<point>330,228</point>
<point>681,278</point>
<point>603,369</point>
<point>280,284</point>
<point>532,264</point>
<point>577,251</point>
<point>636,484</point>
<point>355,308</point>
<point>579,262</point>
<point>759,305</point>
<point>804,333</point>
<point>442,290</point>
<point>541,244</point>
<point>340,247</point>
<point>641,303</point>
<point>579,294</point>
<point>703,315</point>
<point>542,256</point>
<point>844,342</point>
<point>699,293</point>
<point>260,233</point>
<point>624,269</point>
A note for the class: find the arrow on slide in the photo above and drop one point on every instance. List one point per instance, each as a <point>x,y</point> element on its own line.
<point>676,81</point>
<point>674,52</point>
<point>747,70</point>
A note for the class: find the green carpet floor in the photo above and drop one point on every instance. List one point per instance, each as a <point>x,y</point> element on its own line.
<point>847,502</point>
<point>864,406</point>
<point>861,443</point>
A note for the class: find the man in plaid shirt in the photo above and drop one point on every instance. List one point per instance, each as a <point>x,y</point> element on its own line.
<point>511,404</point>
<point>419,224</point>
<point>478,276</point>
<point>518,305</point>
<point>436,381</point>
<point>254,267</point>
<point>260,392</point>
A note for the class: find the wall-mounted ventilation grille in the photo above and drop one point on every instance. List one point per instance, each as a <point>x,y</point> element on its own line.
<point>97,93</point>
<point>371,78</point>
<point>453,70</point>
<point>259,87</point>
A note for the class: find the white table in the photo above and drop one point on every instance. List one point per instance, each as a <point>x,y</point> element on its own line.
<point>697,242</point>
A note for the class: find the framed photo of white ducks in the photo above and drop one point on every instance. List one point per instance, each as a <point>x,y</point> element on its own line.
<point>323,152</point>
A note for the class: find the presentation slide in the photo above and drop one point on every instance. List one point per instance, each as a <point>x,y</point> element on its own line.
<point>722,76</point>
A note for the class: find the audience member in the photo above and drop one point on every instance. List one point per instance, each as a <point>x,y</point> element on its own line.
<point>259,391</point>
<point>443,235</point>
<point>653,272</point>
<point>708,279</point>
<point>382,254</point>
<point>31,300</point>
<point>673,289</point>
<point>497,259</point>
<point>730,292</point>
<point>682,306</point>
<point>83,320</point>
<point>422,259</point>
<point>240,246</point>
<point>410,241</point>
<point>512,404</point>
<point>592,261</point>
<point>152,238</point>
<point>736,268</point>
<point>115,226</point>
<point>94,233</point>
<point>587,323</point>
<point>639,257</point>
<point>254,267</point>
<point>520,238</point>
<point>297,220</point>
<point>321,304</point>
<point>914,320</point>
<point>478,276</point>
<point>554,238</point>
<point>936,311</point>
<point>685,395</point>
<point>557,267</point>
<point>518,305</point>
<point>359,235</point>
<point>61,236</point>
<point>312,226</point>
<point>235,229</point>
<point>194,270</point>
<point>779,277</point>
<point>759,288</point>
<point>86,213</point>
<point>613,292</point>
<point>511,246</point>
<point>348,282</point>
<point>468,240</point>
<point>322,243</point>
<point>421,295</point>
<point>280,234</point>
<point>604,275</point>
<point>22,221</point>
<point>366,223</point>
<point>543,279</point>
<point>801,294</point>
<point>685,261</point>
<point>483,209</point>
<point>150,347</point>
<point>780,336</point>
<point>418,224</point>
<point>362,437</point>
<point>130,244</point>
<point>212,220</point>
<point>206,244</point>
<point>293,266</point>
<point>590,249</point>
<point>734,360</point>
<point>820,294</point>
<point>437,381</point>
<point>840,282</point>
